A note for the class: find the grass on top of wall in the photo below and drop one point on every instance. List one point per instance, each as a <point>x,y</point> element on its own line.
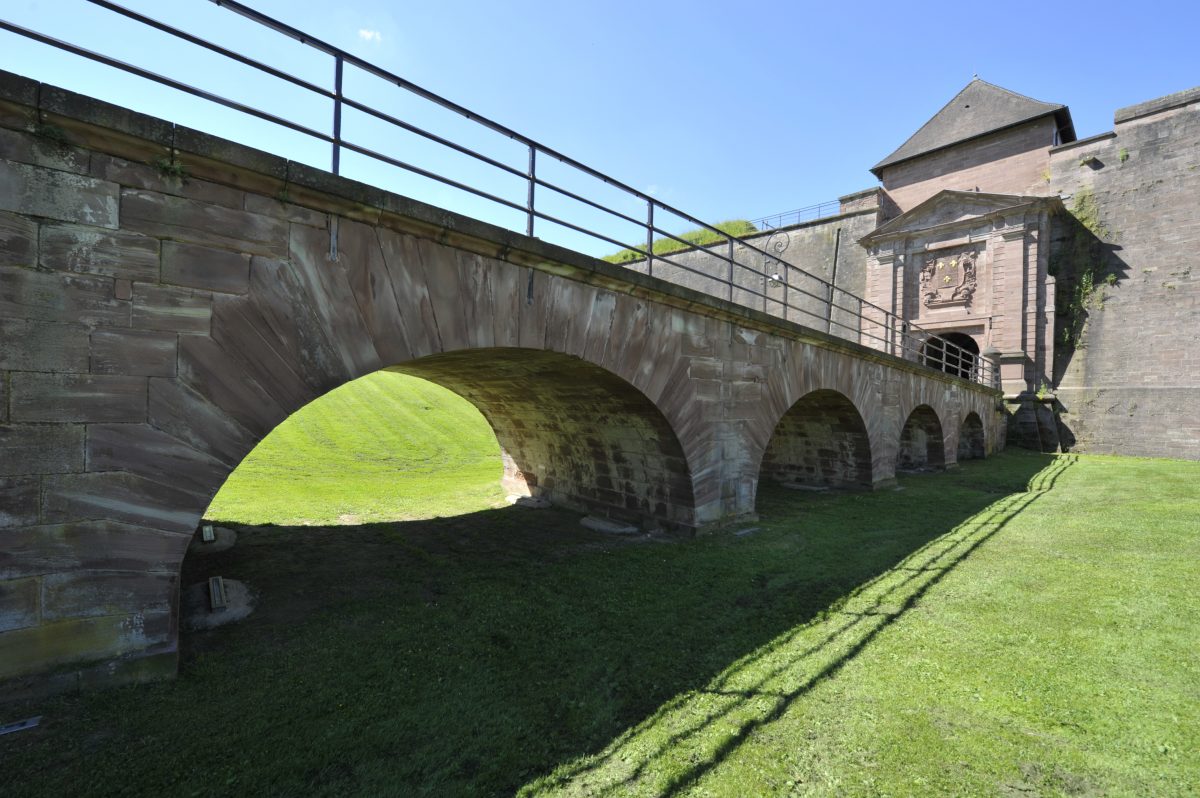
<point>736,228</point>
<point>1025,625</point>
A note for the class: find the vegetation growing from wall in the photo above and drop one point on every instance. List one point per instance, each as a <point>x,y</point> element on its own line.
<point>737,228</point>
<point>1078,266</point>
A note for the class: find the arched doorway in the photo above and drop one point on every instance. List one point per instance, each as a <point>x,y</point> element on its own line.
<point>952,352</point>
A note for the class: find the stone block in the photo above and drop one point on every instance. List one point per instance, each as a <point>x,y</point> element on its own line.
<point>77,397</point>
<point>41,151</point>
<point>132,174</point>
<point>91,250</point>
<point>19,500</point>
<point>143,450</point>
<point>90,545</point>
<point>89,594</point>
<point>270,206</point>
<point>185,414</point>
<point>206,268</point>
<point>197,222</point>
<point>42,346</point>
<point>18,240</point>
<point>241,331</point>
<point>41,449</point>
<point>117,496</point>
<point>19,600</point>
<point>165,308</point>
<point>61,297</point>
<point>37,191</point>
<point>226,381</point>
<point>134,353</point>
<point>3,396</point>
<point>40,647</point>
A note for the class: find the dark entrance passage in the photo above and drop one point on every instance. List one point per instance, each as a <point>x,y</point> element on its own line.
<point>954,353</point>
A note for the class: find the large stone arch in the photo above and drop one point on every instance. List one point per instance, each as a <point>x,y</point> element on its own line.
<point>820,441</point>
<point>972,440</point>
<point>571,432</point>
<point>922,441</point>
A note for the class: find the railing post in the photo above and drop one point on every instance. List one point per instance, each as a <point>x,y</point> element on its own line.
<point>650,237</point>
<point>532,175</point>
<point>730,281</point>
<point>337,114</point>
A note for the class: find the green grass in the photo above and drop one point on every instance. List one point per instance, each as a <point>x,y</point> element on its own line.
<point>386,447</point>
<point>737,228</point>
<point>1023,626</point>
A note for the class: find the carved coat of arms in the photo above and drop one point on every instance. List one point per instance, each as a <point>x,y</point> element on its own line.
<point>949,279</point>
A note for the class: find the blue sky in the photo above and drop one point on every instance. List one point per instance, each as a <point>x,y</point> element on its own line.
<point>723,110</point>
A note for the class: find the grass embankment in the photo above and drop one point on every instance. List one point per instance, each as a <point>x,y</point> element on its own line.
<point>386,447</point>
<point>1022,626</point>
<point>736,228</point>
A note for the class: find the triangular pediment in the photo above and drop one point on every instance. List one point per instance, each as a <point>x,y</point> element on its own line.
<point>949,207</point>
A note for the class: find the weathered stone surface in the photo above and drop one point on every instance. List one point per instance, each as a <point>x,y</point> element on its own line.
<point>18,240</point>
<point>182,310</point>
<point>184,414</point>
<point>77,397</point>
<point>42,346</point>
<point>206,268</point>
<point>19,498</point>
<point>68,298</point>
<point>285,309</point>
<point>77,639</point>
<point>220,376</point>
<point>271,206</point>
<point>138,353</point>
<point>35,150</point>
<point>241,331</point>
<point>143,450</point>
<point>41,448</point>
<point>132,174</point>
<point>92,250</point>
<point>38,191</point>
<point>197,222</point>
<point>91,545</point>
<point>19,600</point>
<point>117,496</point>
<point>88,594</point>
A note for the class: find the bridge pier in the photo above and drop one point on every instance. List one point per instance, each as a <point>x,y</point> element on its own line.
<point>154,326</point>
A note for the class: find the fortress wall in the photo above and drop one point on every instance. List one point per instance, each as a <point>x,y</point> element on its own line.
<point>1130,384</point>
<point>798,251</point>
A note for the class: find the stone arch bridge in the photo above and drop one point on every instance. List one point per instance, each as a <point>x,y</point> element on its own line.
<point>155,326</point>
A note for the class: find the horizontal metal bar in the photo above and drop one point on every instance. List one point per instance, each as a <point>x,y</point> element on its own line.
<point>216,48</point>
<point>164,80</point>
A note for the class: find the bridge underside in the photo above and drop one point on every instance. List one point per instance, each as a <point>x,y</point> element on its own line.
<point>154,327</point>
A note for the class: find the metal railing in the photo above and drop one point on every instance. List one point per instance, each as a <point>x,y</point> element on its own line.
<point>746,274</point>
<point>789,218</point>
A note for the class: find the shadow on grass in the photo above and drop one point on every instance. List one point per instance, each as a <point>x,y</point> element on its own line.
<point>469,655</point>
<point>758,689</point>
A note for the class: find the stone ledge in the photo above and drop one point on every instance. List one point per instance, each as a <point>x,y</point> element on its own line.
<point>1156,106</point>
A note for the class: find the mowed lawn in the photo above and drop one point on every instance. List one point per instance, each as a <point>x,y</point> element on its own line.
<point>1022,626</point>
<point>382,448</point>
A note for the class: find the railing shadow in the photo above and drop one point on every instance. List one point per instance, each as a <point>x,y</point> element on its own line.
<point>759,688</point>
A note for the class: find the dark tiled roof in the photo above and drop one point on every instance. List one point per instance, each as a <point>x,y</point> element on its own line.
<point>978,109</point>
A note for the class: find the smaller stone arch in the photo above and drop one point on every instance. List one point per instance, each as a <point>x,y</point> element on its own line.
<point>922,444</point>
<point>971,441</point>
<point>960,357</point>
<point>821,441</point>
